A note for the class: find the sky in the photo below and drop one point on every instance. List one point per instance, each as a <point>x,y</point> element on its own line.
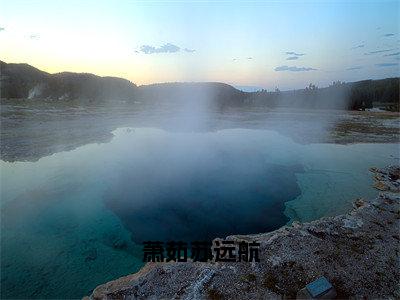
<point>268,44</point>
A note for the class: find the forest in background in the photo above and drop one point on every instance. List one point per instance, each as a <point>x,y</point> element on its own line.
<point>22,81</point>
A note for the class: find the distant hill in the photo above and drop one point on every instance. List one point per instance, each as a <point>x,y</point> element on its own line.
<point>25,81</point>
<point>195,94</point>
<point>18,80</point>
<point>22,81</point>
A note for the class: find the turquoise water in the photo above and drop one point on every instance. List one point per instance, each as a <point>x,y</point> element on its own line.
<point>73,220</point>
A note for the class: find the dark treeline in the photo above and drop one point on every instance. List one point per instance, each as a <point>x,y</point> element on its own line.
<point>22,81</point>
<point>383,93</point>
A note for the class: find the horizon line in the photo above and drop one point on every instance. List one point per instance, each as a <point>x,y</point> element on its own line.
<point>236,86</point>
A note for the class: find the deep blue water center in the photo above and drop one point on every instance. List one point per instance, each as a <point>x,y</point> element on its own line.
<point>231,195</point>
<point>76,219</point>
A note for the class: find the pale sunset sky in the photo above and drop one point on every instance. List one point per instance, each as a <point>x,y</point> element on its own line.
<point>285,44</point>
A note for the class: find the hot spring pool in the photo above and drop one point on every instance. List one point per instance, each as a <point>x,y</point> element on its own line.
<point>73,220</point>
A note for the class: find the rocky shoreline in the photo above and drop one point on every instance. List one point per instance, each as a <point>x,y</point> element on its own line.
<point>357,252</point>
